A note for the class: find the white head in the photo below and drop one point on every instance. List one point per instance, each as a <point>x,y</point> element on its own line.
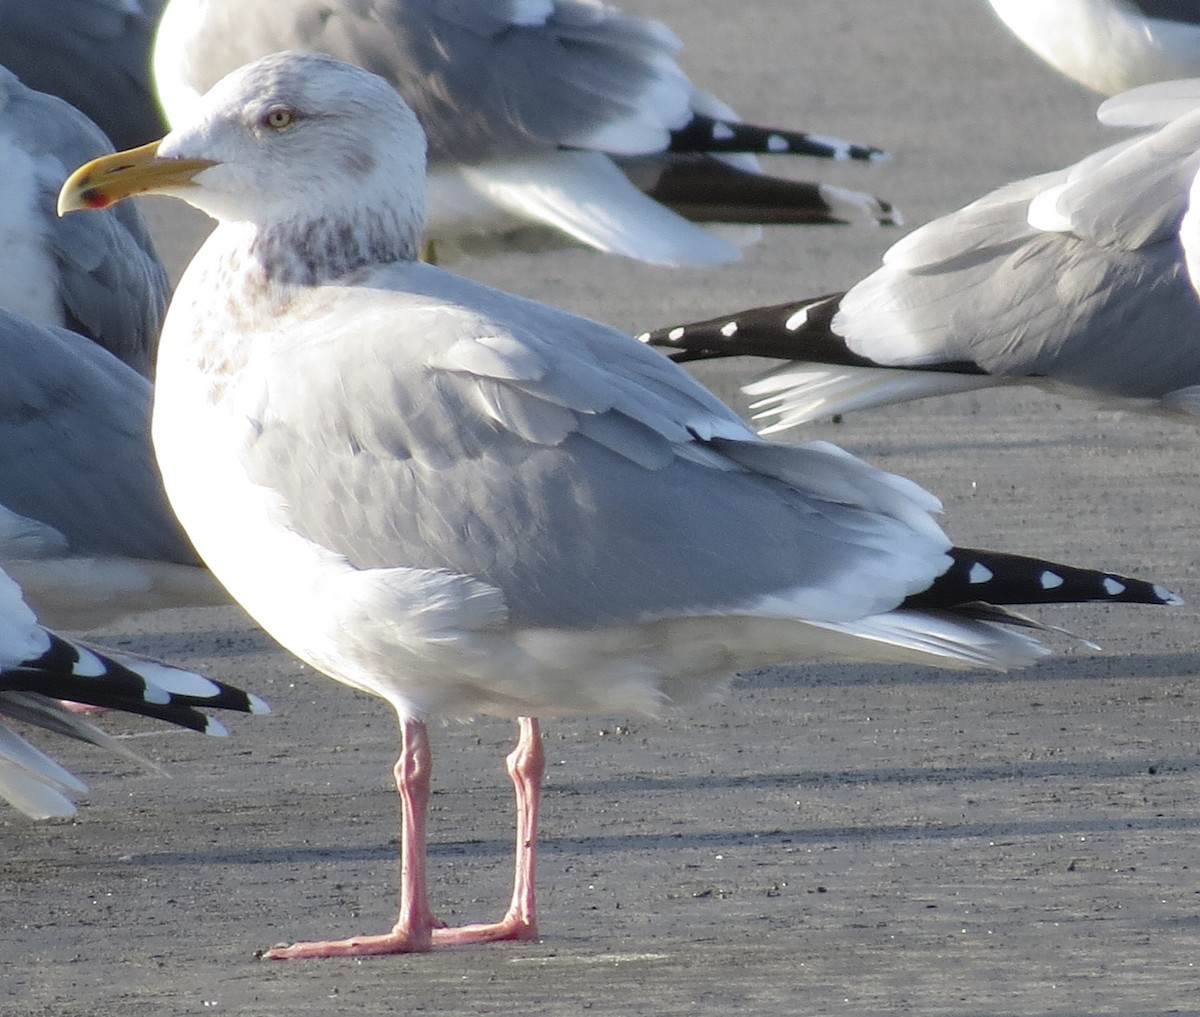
<point>297,144</point>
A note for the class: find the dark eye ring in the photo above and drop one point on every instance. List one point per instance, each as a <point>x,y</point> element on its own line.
<point>278,118</point>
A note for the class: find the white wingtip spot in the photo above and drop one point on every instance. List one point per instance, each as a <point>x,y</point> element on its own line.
<point>643,338</point>
<point>776,143</point>
<point>257,705</point>
<point>1112,587</point>
<point>839,148</point>
<point>722,131</point>
<point>729,329</point>
<point>675,333</point>
<point>153,694</point>
<point>796,320</point>
<point>1167,596</point>
<point>1050,580</point>
<point>88,665</point>
<point>215,728</point>
<point>979,573</point>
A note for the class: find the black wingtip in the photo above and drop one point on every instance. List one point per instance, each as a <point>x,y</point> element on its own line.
<point>995,577</point>
<point>797,330</point>
<point>83,674</point>
<point>713,135</point>
<point>706,189</point>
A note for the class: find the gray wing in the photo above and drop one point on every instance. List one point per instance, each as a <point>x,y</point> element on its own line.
<point>1102,299</point>
<point>487,79</point>
<point>110,282</point>
<point>95,54</point>
<point>75,448</point>
<point>585,476</point>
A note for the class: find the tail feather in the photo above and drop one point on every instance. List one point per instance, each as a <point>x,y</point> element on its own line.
<point>801,391</point>
<point>715,134</point>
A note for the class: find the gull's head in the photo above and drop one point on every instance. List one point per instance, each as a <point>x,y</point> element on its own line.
<point>294,137</point>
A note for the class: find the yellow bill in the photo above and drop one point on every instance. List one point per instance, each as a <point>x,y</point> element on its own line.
<point>112,178</point>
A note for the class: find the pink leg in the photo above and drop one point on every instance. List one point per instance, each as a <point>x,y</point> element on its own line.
<point>416,929</point>
<point>526,767</point>
<point>412,932</point>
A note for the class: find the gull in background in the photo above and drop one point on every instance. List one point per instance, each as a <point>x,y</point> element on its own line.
<point>465,502</point>
<point>94,54</point>
<point>85,526</point>
<point>102,278</point>
<point>1074,281</point>
<point>1109,46</point>
<point>567,114</point>
<point>38,668</point>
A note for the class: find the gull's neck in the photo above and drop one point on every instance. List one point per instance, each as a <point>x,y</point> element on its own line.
<point>246,276</point>
<point>250,269</point>
<point>323,249</point>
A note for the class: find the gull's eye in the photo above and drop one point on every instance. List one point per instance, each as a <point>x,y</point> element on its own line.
<point>278,118</point>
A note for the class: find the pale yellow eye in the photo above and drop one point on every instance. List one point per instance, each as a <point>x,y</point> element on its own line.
<point>278,118</point>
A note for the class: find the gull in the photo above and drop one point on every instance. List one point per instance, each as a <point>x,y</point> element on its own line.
<point>85,526</point>
<point>1109,46</point>
<point>1074,281</point>
<point>38,668</point>
<point>94,54</point>
<point>468,503</point>
<point>553,113</point>
<point>101,278</point>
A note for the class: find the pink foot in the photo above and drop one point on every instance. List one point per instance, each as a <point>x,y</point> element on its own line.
<point>357,946</point>
<point>510,928</point>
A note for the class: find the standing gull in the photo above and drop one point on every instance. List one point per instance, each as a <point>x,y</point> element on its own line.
<point>1074,281</point>
<point>465,502</point>
<point>538,112</point>
<point>1109,45</point>
<point>39,668</point>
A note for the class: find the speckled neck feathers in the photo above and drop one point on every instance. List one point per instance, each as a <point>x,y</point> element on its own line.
<point>322,249</point>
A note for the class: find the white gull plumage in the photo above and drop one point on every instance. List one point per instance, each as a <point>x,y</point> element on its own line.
<point>38,668</point>
<point>1109,45</point>
<point>465,502</point>
<point>1075,281</point>
<point>538,112</point>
